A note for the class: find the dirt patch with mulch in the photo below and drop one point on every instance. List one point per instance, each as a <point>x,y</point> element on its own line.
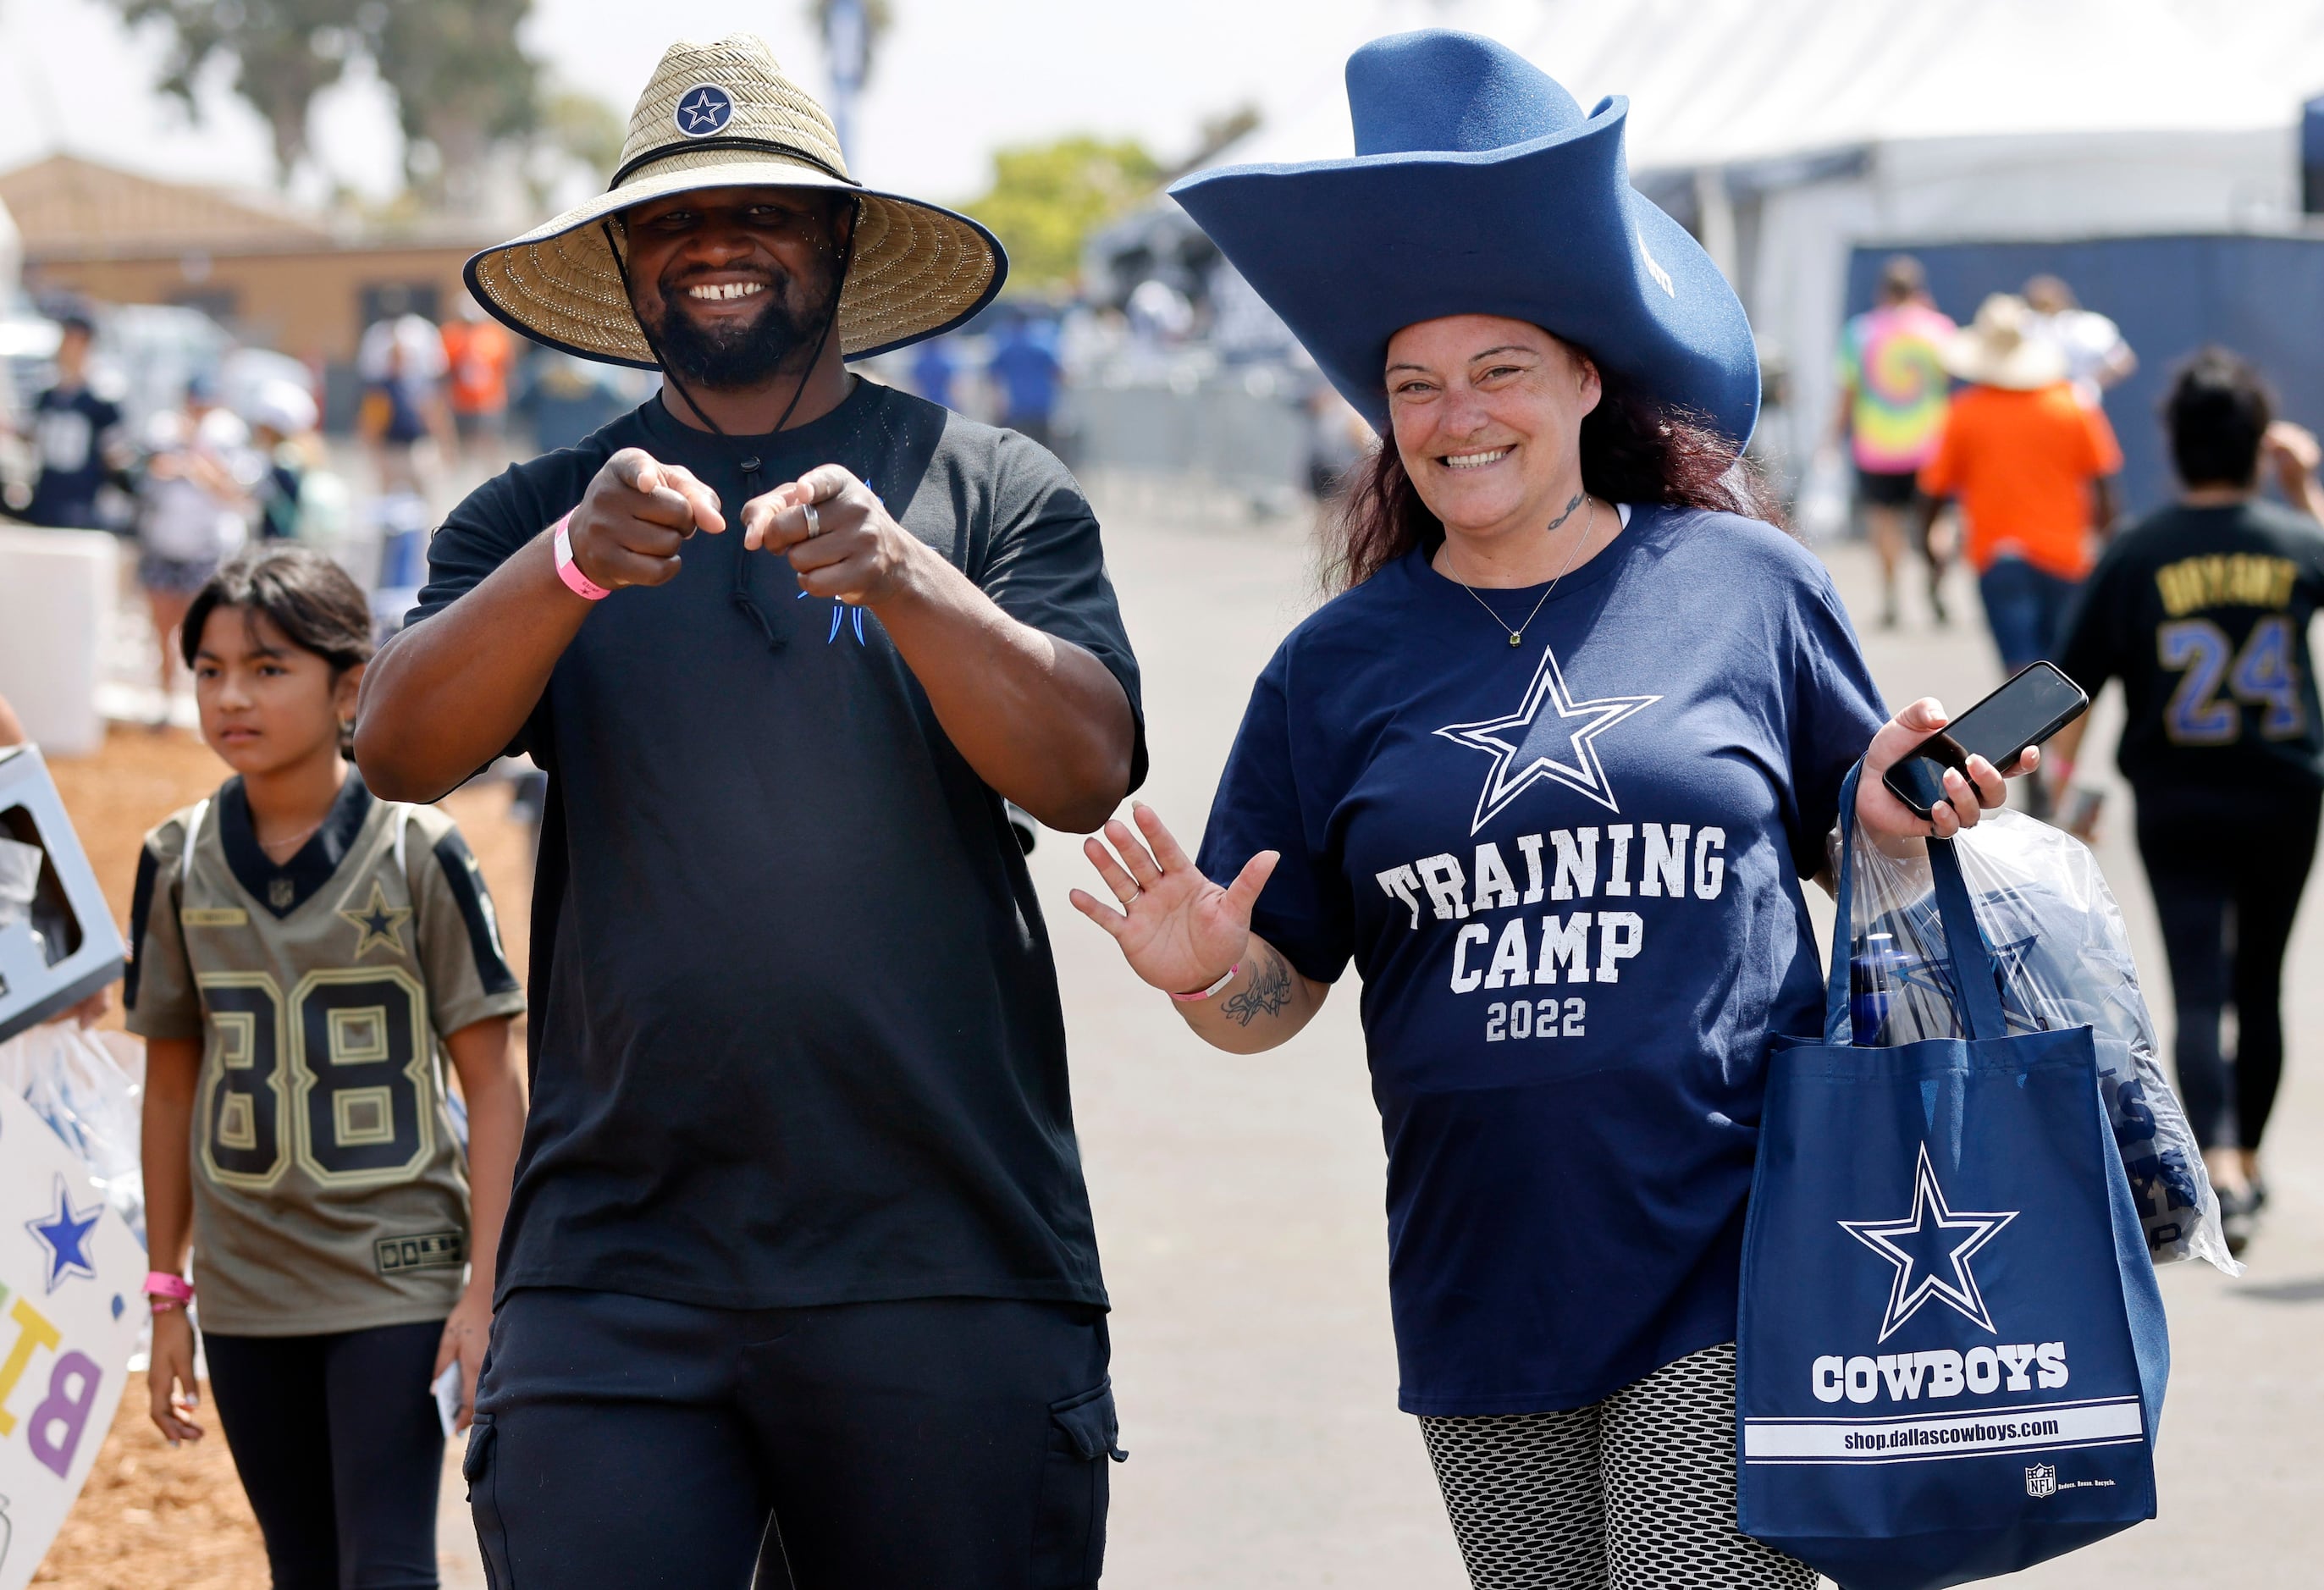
<point>152,1515</point>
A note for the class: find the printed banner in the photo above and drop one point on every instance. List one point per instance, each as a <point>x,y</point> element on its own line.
<point>71,1271</point>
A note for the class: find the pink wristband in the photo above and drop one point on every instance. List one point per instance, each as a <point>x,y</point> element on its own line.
<point>1203,993</point>
<point>177,1289</point>
<point>568,570</point>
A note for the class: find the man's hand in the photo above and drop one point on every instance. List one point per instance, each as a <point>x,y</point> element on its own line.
<point>838,536</point>
<point>634,517</point>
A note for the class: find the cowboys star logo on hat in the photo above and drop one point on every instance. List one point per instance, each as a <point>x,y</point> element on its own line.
<point>725,115</point>
<point>703,110</point>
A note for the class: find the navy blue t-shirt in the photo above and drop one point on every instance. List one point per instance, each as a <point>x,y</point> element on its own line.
<point>796,1034</point>
<point>1568,872</point>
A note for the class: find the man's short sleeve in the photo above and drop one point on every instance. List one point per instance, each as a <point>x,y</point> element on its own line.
<point>159,996</point>
<point>2105,456</point>
<point>1849,361</point>
<point>492,524</point>
<point>1304,911</point>
<point>460,952</point>
<point>1046,568</point>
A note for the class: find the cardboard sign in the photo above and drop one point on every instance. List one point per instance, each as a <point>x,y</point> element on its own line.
<point>69,948</point>
<point>70,1276</point>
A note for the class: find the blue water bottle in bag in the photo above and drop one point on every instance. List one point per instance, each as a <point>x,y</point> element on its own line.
<point>1952,1350</point>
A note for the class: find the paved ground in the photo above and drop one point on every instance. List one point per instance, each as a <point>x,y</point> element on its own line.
<point>1239,1200</point>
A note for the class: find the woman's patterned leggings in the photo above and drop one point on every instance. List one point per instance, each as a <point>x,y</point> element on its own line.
<point>1636,1492</point>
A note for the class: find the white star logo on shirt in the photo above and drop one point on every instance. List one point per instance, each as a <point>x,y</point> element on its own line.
<point>1551,737</point>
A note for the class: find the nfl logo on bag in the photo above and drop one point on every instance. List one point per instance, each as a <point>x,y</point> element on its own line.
<point>2041,1480</point>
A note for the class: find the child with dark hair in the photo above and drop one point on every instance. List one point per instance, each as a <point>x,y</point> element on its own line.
<point>306,957</point>
<point>2202,610</point>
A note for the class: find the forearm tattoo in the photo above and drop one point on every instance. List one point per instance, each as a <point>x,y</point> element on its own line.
<point>1270,991</point>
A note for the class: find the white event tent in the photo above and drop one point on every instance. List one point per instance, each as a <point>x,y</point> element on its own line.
<point>1786,133</point>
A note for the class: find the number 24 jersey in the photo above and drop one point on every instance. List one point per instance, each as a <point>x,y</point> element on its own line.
<point>2203,614</point>
<point>330,1191</point>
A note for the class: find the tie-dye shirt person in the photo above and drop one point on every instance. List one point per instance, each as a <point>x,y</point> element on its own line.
<point>1897,386</point>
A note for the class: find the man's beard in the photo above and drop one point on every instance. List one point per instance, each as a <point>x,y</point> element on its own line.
<point>735,356</point>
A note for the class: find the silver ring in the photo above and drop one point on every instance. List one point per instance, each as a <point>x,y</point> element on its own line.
<point>1125,899</point>
<point>814,520</point>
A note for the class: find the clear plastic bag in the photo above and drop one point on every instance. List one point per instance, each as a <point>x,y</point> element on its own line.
<point>2063,958</point>
<point>72,1080</point>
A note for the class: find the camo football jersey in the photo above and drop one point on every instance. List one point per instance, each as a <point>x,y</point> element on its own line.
<point>331,1193</point>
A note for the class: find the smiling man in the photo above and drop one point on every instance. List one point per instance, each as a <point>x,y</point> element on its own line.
<point>799,1259</point>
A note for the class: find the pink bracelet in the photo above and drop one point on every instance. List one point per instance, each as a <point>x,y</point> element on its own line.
<point>1204,993</point>
<point>161,1284</point>
<point>568,570</point>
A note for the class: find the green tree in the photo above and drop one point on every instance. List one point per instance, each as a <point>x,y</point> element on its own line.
<point>285,53</point>
<point>462,84</point>
<point>1047,198</point>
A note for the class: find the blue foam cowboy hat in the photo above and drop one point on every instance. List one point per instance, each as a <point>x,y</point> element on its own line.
<point>1478,187</point>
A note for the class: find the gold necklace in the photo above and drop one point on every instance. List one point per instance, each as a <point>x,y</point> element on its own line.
<point>1516,635</point>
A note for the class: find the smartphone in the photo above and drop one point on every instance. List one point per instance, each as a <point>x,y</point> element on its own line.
<point>2035,704</point>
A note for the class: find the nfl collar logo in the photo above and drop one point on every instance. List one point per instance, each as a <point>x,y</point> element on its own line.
<point>2041,1480</point>
<point>703,110</point>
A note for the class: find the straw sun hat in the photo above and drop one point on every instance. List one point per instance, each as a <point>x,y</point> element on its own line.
<point>726,116</point>
<point>2004,347</point>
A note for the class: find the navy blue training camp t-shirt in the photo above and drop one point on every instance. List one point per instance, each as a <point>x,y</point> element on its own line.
<point>795,1035</point>
<point>1568,872</point>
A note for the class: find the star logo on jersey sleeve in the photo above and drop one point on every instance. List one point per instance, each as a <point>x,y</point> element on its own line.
<point>1930,1249</point>
<point>1551,737</point>
<point>376,923</point>
<point>66,1234</point>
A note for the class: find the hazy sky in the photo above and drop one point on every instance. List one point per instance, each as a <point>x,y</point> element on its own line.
<point>956,78</point>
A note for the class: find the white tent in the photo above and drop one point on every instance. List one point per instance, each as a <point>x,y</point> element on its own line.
<point>1786,132</point>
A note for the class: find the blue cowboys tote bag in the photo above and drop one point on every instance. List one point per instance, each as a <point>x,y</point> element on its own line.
<point>1952,1347</point>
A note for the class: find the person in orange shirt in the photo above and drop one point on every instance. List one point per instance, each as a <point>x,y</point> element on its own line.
<point>477,354</point>
<point>2034,471</point>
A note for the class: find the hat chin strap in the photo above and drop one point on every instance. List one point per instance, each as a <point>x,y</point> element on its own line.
<point>822,337</point>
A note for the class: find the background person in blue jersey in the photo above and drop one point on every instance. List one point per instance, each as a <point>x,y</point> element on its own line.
<point>799,1256</point>
<point>1548,772</point>
<point>2202,610</point>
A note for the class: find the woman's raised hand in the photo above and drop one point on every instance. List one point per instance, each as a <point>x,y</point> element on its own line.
<point>1178,930</point>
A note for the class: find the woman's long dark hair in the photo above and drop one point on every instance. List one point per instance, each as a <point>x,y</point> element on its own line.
<point>1633,450</point>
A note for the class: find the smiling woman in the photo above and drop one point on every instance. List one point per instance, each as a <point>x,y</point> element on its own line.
<point>1548,771</point>
<point>1627,448</point>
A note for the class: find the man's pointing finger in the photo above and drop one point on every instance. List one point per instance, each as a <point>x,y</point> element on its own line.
<point>701,502</point>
